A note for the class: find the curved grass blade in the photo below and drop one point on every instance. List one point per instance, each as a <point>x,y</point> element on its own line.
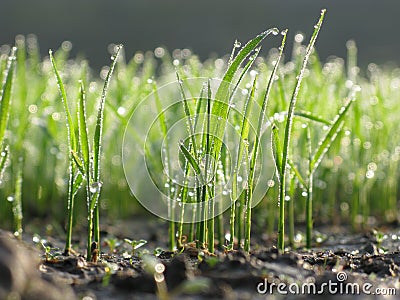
<point>326,142</point>
<point>5,98</point>
<point>221,106</point>
<point>72,145</point>
<point>100,119</point>
<point>188,116</point>
<point>164,130</point>
<point>4,160</point>
<point>288,130</point>
<point>297,173</point>
<point>78,163</point>
<point>70,125</point>
<point>78,180</point>
<point>83,131</point>
<point>97,140</point>
<point>265,103</point>
<point>276,149</point>
<point>244,135</point>
<point>308,115</point>
<point>17,203</point>
<point>192,161</point>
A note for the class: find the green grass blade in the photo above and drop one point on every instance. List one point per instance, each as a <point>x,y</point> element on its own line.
<point>5,98</point>
<point>78,163</point>
<point>221,106</point>
<point>188,116</point>
<point>276,149</point>
<point>264,105</point>
<point>330,136</point>
<point>296,91</point>
<point>164,130</point>
<point>63,94</point>
<point>308,115</point>
<point>192,161</point>
<point>297,173</point>
<point>17,203</point>
<point>4,160</point>
<point>83,130</point>
<point>100,119</point>
<point>244,135</point>
<point>77,184</point>
<point>288,131</point>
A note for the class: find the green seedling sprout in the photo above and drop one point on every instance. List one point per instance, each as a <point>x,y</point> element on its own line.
<point>73,187</point>
<point>135,244</point>
<point>112,243</point>
<point>281,157</point>
<point>81,167</point>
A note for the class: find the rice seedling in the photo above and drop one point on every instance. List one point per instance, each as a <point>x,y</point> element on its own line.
<point>81,164</point>
<point>282,154</point>
<point>335,168</point>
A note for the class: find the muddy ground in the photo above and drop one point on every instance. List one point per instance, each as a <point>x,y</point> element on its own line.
<point>342,264</point>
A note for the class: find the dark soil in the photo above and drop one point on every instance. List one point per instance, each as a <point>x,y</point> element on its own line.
<point>27,273</point>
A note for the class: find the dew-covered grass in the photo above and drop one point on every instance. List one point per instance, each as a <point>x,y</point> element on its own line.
<point>355,183</point>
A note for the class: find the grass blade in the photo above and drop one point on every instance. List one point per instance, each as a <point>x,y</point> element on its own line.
<point>308,115</point>
<point>70,125</point>
<point>221,106</point>
<point>4,160</point>
<point>192,161</point>
<point>97,140</point>
<point>78,163</point>
<point>83,131</point>
<point>100,119</point>
<point>330,136</point>
<point>5,98</point>
<point>297,173</point>
<point>288,130</point>
<point>276,149</point>
<point>188,116</point>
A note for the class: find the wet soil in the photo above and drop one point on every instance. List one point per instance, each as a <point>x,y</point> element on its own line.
<point>339,263</point>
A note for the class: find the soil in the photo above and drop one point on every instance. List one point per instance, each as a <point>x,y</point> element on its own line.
<point>341,259</point>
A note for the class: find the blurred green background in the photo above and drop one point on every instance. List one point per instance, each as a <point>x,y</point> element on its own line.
<point>205,27</point>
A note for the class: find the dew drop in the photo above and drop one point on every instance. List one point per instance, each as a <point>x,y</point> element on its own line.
<point>121,111</point>
<point>370,174</point>
<point>237,44</point>
<point>10,198</point>
<point>95,187</point>
<point>274,31</point>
